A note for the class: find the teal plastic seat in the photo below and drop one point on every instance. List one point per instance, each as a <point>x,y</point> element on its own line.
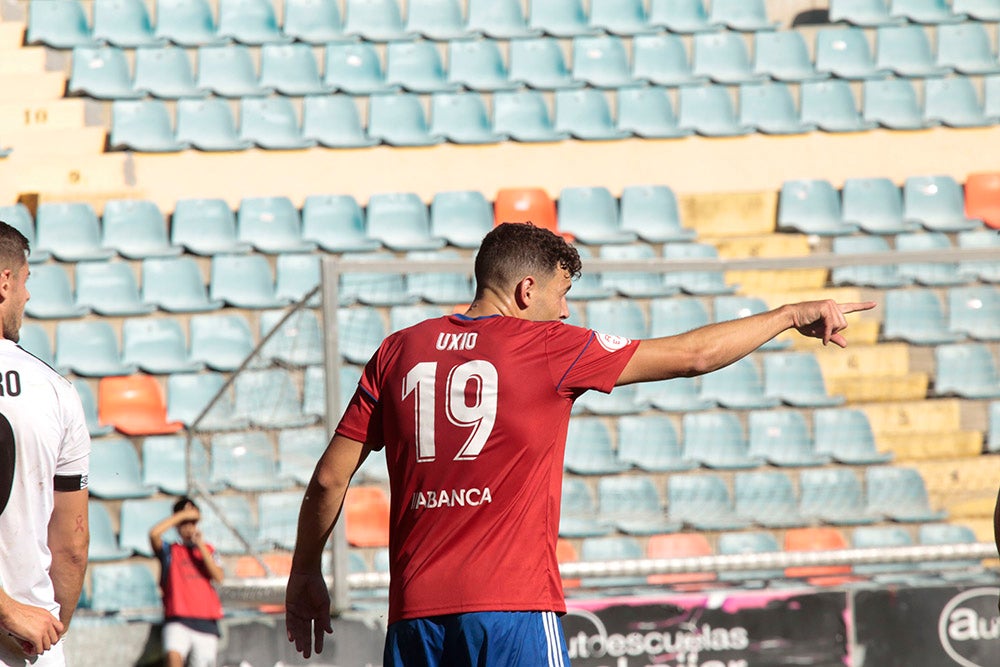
<point>250,22</point>
<point>966,48</point>
<point>373,288</point>
<point>866,13</point>
<point>893,103</point>
<point>401,317</point>
<point>243,281</point>
<point>399,120</point>
<point>636,284</point>
<point>165,71</point>
<point>845,434</point>
<point>991,96</point>
<point>784,55</point>
<point>796,378</point>
<point>439,287</point>
<point>875,205</point>
<point>674,395</point>
<point>844,53</point>
<point>188,394</point>
<point>90,349</point>
<point>175,284</point>
<point>299,450</point>
<point>620,18</point>
<point>165,464</point>
<point>278,515</point>
<point>500,19</point>
<point>361,332</point>
<point>925,11</point>
<point>336,223</point>
<point>269,399</point>
<point>708,110</point>
<point>101,72</point>
<point>478,64</point>
<point>723,57</point>
<point>299,341</point>
<point>70,231</point>
<point>811,206</point>
<point>271,225</point>
<point>620,401</point>
<point>632,504</point>
<point>539,63</point>
<point>560,18</point>
<point>906,50</point>
<point>124,587</point>
<point>461,217</point>
<point>611,548</point>
<point>19,217</point>
<point>220,341</point>
<point>767,498</point>
<point>662,59</point>
<point>109,289</point>
<point>682,16</point>
<point>586,115</point>
<point>271,123</point>
<point>876,275</point>
<point>440,20</point>
<point>208,125</point>
<point>709,282</point>
<point>993,436</point>
<point>730,307</point>
<point>296,275</point>
<point>375,21</point>
<point>831,105</point>
<point>578,515</point>
<point>916,316</point>
<point>975,311</point>
<point>61,25</point>
<point>770,108</point>
<point>647,111</point>
<point>51,294</point>
<point>87,399</point>
<point>949,533</point>
<point>703,502</point>
<point>355,69</point>
<point>206,227</point>
<point>589,450</point>
<point>524,116</point>
<point>239,514</point>
<point>124,23</point>
<point>955,103</point>
<point>187,22</point>
<point>417,67</point>
<point>246,462</point>
<point>650,443</point>
<point>742,15</point>
<point>749,542</point>
<point>981,10</point>
<point>651,212</point>
<point>313,21</point>
<point>874,537</point>
<point>835,496</point>
<point>144,126</point>
<point>334,122</point>
<point>899,493</point>
<point>34,340</point>
<point>932,274</point>
<point>138,517</point>
<point>314,398</point>
<point>400,221</point>
<point>462,118</point>
<point>669,317</point>
<point>229,71</point>
<point>115,471</point>
<point>716,440</point>
<point>967,370</point>
<point>290,69</point>
<point>738,387</point>
<point>781,437</point>
<point>157,346</point>
<point>590,214</point>
<point>135,229</point>
<point>985,270</point>
<point>601,61</point>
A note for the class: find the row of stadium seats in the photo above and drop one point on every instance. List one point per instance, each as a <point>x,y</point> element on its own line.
<point>400,119</point>
<point>602,62</point>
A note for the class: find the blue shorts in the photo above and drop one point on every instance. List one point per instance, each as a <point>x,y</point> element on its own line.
<point>479,639</point>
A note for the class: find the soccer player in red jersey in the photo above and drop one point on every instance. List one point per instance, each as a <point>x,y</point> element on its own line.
<point>472,410</point>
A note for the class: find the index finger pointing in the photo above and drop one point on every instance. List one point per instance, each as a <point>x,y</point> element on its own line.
<point>854,307</point>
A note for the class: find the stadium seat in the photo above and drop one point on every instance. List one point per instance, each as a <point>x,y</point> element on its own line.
<point>399,120</point>
<point>767,498</point>
<point>228,71</point>
<point>981,10</point>
<point>401,317</point>
<point>735,307</point>
<point>366,516</point>
<point>875,205</point>
<point>716,440</point>
<point>681,16</point>
<point>138,516</point>
<point>578,517</point>
<point>299,341</point>
<point>748,542</point>
<point>440,20</point>
<point>620,18</point>
<point>651,212</point>
<point>844,53</point>
<point>708,110</point>
<point>876,275</point>
<point>524,116</point>
<point>314,390</point>
<point>187,22</point>
<point>271,123</point>
<point>374,288</point>
<point>966,48</point>
<point>19,217</point>
<point>947,533</point>
<point>115,471</point>
<point>966,370</point>
<point>243,281</point>
<point>51,294</point>
<point>208,125</point>
<point>188,394</point>
<point>246,462</point>
<point>89,349</point>
<point>157,346</point>
<point>925,11</point>
<point>336,223</point>
<point>135,229</point>
<point>650,443</point>
<point>501,19</point>
<point>355,69</point>
<point>591,216</point>
<point>175,284</point>
<point>742,15</point>
<point>461,218</point>
<point>35,340</point>
<point>439,287</point>
<point>270,399</point>
<point>70,231</point>
<point>984,270</point>
<point>831,106</point>
<point>296,275</point>
<point>601,61</point>
<point>935,274</point>
<point>165,464</point>
<point>462,118</point>
<point>899,493</point>
<point>621,401</point>
<point>61,25</point>
<point>893,103</point>
<point>866,13</point>
<point>271,225</point>
<point>632,504</point>
<point>662,60</point>
<point>334,122</point>
<point>917,317</point>
<point>647,111</point>
<point>770,108</point>
<point>833,495</point>
<point>811,206</point>
<point>708,282</point>
<point>782,439</point>
<point>477,64</point>
<point>669,317</point>
<point>612,549</point>
<point>585,114</point>
<point>238,514</point>
<point>144,126</point>
<point>525,205</point>
<point>290,69</point>
<point>109,289</point>
<point>936,202</point>
<point>298,451</point>
<point>738,387</point>
<point>955,103</point>
<point>703,502</point>
<point>134,405</point>
<point>124,587</point>
<point>975,311</point>
<point>539,63</point>
<point>783,55</point>
<point>101,72</point>
<point>589,450</point>
<point>400,221</point>
<point>991,96</point>
<point>906,50</point>
<point>675,395</point>
<point>683,545</point>
<point>103,541</point>
<point>165,72</point>
<point>375,21</point>
<point>723,57</point>
<point>820,538</point>
<point>417,67</point>
<point>633,283</point>
<point>278,514</point>
<point>993,435</point>
<point>982,198</point>
<point>89,402</point>
<point>560,18</point>
<point>796,378</point>
<point>250,22</point>
<point>618,316</point>
<point>206,227</point>
<point>313,21</point>
<point>872,537</point>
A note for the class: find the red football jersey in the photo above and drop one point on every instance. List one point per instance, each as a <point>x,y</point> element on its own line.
<point>473,414</point>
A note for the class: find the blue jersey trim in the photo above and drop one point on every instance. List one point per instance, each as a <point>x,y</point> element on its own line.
<point>473,319</point>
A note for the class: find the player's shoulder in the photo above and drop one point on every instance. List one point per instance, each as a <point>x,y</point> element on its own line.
<point>15,357</point>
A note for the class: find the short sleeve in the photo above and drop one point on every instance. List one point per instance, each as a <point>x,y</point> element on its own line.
<point>582,359</point>
<point>74,451</point>
<point>361,420</point>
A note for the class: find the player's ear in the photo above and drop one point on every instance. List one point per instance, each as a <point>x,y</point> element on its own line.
<point>524,292</point>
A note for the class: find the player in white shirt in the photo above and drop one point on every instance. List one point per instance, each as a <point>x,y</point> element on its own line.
<point>44,461</point>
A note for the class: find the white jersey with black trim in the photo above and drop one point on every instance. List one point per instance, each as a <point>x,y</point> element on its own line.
<point>44,446</point>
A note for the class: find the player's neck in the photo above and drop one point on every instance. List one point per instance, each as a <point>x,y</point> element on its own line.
<point>491,302</point>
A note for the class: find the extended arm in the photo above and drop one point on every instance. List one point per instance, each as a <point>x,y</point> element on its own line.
<point>713,346</point>
<point>307,601</point>
<point>69,538</point>
<point>189,513</point>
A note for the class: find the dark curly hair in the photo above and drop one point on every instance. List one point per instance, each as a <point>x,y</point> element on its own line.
<point>13,248</point>
<point>513,250</point>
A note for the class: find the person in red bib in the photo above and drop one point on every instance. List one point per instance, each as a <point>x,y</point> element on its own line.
<point>191,606</point>
<point>472,410</point>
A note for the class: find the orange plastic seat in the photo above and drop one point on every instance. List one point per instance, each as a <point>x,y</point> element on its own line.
<point>821,538</point>
<point>566,553</point>
<point>366,512</point>
<point>135,405</point>
<point>526,205</point>
<point>247,567</point>
<point>679,545</point>
<point>982,197</point>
